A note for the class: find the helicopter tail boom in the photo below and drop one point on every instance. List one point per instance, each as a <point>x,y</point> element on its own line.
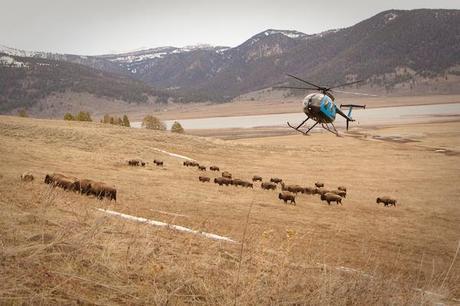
<point>348,116</point>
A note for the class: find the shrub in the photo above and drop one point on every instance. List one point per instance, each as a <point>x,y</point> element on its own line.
<point>83,116</point>
<point>153,123</point>
<point>22,113</point>
<point>69,117</point>
<point>177,128</point>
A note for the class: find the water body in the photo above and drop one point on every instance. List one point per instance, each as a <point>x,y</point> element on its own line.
<point>373,116</point>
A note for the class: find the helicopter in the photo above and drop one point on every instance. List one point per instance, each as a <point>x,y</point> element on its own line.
<point>320,107</point>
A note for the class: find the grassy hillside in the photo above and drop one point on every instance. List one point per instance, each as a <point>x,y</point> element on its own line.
<point>24,81</point>
<point>57,247</point>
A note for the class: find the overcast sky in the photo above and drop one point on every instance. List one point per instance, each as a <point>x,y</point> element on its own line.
<point>104,26</point>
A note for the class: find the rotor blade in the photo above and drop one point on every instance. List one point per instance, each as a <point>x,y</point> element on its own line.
<point>355,93</point>
<point>290,87</point>
<point>345,84</point>
<point>293,76</point>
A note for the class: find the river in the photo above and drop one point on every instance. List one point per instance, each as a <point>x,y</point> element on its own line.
<point>373,116</point>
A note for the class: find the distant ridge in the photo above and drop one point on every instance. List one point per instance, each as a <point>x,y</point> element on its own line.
<point>395,48</point>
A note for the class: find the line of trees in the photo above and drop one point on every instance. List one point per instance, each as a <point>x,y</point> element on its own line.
<point>81,116</point>
<point>116,120</point>
<point>153,123</point>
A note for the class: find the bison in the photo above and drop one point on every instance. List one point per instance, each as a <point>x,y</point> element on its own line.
<point>85,186</point>
<point>27,177</point>
<point>101,190</point>
<point>256,178</point>
<point>158,162</point>
<point>214,168</point>
<point>387,201</point>
<point>342,188</point>
<point>223,181</point>
<point>286,196</point>
<point>292,188</point>
<point>268,186</point>
<point>276,180</point>
<point>133,162</point>
<point>341,193</point>
<point>201,168</point>
<point>204,179</point>
<point>319,184</point>
<point>310,190</point>
<point>227,174</point>
<point>331,197</point>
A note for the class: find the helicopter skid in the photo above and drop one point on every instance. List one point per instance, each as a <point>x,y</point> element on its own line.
<point>303,122</point>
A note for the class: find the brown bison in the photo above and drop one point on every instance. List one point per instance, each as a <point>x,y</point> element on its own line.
<point>237,182</point>
<point>331,197</point>
<point>134,162</point>
<point>189,163</point>
<point>310,190</point>
<point>101,190</point>
<point>387,201</point>
<point>223,181</point>
<point>342,188</point>
<point>227,174</point>
<point>158,162</point>
<point>214,168</point>
<point>319,184</point>
<point>60,180</point>
<point>256,178</point>
<point>292,188</point>
<point>322,191</point>
<point>247,184</point>
<point>341,193</point>
<point>85,186</point>
<point>202,168</point>
<point>268,186</point>
<point>286,196</point>
<point>204,179</point>
<point>27,177</point>
<point>276,180</point>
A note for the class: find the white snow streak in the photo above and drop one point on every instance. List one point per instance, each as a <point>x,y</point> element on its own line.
<point>173,154</point>
<point>167,225</point>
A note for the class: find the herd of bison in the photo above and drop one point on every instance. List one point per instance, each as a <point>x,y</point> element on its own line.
<point>287,193</point>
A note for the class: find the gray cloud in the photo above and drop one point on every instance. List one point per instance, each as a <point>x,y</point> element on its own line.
<point>102,26</point>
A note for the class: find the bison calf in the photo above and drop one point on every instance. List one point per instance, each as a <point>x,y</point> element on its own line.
<point>158,162</point>
<point>276,180</point>
<point>256,178</point>
<point>214,168</point>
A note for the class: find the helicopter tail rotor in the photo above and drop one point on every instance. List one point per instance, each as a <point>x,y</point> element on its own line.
<point>348,116</point>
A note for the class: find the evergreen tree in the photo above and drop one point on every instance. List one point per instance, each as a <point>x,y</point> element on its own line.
<point>126,121</point>
<point>177,128</point>
<point>153,123</point>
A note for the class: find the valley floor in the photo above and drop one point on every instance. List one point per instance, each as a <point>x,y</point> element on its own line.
<point>57,247</point>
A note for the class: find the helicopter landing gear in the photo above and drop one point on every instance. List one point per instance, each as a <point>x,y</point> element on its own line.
<point>327,128</point>
<point>303,122</point>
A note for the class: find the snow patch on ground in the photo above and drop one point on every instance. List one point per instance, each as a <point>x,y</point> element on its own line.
<point>389,17</point>
<point>167,225</point>
<point>11,62</point>
<point>173,154</point>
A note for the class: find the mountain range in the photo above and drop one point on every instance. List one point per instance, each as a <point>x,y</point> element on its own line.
<point>389,49</point>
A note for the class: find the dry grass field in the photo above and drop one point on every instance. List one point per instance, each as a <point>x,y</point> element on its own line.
<point>57,248</point>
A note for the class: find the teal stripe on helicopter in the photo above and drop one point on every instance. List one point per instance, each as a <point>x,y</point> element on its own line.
<point>327,110</point>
